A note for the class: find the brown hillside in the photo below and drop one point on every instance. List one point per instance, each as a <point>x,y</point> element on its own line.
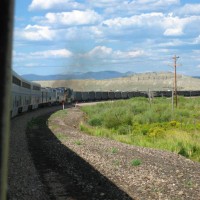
<point>143,82</point>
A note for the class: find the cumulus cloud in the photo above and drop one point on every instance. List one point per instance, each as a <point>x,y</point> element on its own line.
<point>103,3</point>
<point>141,4</point>
<point>75,17</point>
<point>118,7</point>
<point>58,53</point>
<point>189,9</point>
<point>106,52</point>
<point>172,25</point>
<point>129,54</point>
<point>99,51</point>
<point>173,32</point>
<point>197,40</point>
<point>37,33</point>
<point>136,20</point>
<point>53,4</point>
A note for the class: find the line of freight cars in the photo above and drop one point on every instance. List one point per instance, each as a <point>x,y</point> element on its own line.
<point>78,96</point>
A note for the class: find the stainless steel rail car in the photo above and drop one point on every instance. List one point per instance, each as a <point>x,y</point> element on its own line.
<point>26,95</point>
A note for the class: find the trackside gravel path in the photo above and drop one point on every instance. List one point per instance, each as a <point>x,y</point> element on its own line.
<point>54,160</point>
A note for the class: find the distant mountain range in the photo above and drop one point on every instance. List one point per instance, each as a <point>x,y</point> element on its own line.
<point>152,81</point>
<point>102,75</point>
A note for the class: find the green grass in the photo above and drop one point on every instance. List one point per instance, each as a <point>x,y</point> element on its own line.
<point>78,142</point>
<point>61,136</point>
<point>136,162</point>
<point>59,114</point>
<point>137,122</point>
<point>114,150</point>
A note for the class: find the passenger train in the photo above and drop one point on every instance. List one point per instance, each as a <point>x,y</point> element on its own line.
<point>26,95</point>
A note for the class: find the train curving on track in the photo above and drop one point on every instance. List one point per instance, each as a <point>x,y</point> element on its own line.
<point>78,96</point>
<point>26,95</point>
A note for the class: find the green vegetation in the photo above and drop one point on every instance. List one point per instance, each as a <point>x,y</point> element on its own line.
<point>60,113</point>
<point>135,162</point>
<point>113,150</point>
<point>77,142</point>
<point>61,136</point>
<point>137,122</point>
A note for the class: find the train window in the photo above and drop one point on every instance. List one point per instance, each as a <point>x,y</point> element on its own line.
<point>26,85</point>
<point>36,88</point>
<point>16,81</point>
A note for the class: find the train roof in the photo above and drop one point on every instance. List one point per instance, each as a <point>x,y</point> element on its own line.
<point>24,80</point>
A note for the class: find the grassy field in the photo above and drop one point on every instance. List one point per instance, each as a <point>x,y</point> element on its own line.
<point>139,122</point>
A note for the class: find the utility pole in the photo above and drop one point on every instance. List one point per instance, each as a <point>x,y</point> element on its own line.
<point>175,79</point>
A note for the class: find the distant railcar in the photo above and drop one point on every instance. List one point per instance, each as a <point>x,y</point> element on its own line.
<point>124,95</point>
<point>98,96</point>
<point>85,96</point>
<point>111,95</point>
<point>104,95</point>
<point>130,95</point>
<point>91,96</point>
<point>118,95</point>
<point>77,96</point>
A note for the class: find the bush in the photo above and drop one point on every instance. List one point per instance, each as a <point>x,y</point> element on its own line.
<point>174,123</point>
<point>95,122</point>
<point>156,132</point>
<point>124,129</point>
<point>135,122</point>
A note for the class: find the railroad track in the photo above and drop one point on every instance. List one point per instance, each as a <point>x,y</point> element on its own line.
<point>41,167</point>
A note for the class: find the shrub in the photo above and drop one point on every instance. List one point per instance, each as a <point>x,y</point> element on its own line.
<point>95,122</point>
<point>156,132</point>
<point>124,130</point>
<point>174,123</point>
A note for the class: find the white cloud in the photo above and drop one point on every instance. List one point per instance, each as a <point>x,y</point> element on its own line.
<point>104,3</point>
<point>140,4</point>
<point>172,25</point>
<point>156,3</point>
<point>106,52</point>
<point>58,53</point>
<point>75,17</point>
<point>118,7</point>
<point>197,40</point>
<point>53,4</point>
<point>173,32</point>
<point>99,51</point>
<point>136,20</point>
<point>128,54</point>
<point>190,9</point>
<point>37,33</point>
<point>171,43</point>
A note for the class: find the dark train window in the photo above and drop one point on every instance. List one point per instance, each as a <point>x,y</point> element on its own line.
<point>36,87</point>
<point>16,81</point>
<point>26,85</point>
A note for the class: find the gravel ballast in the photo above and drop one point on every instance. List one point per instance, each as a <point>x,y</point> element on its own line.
<point>159,175</point>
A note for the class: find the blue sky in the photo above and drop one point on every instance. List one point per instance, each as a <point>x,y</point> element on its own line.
<point>63,36</point>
